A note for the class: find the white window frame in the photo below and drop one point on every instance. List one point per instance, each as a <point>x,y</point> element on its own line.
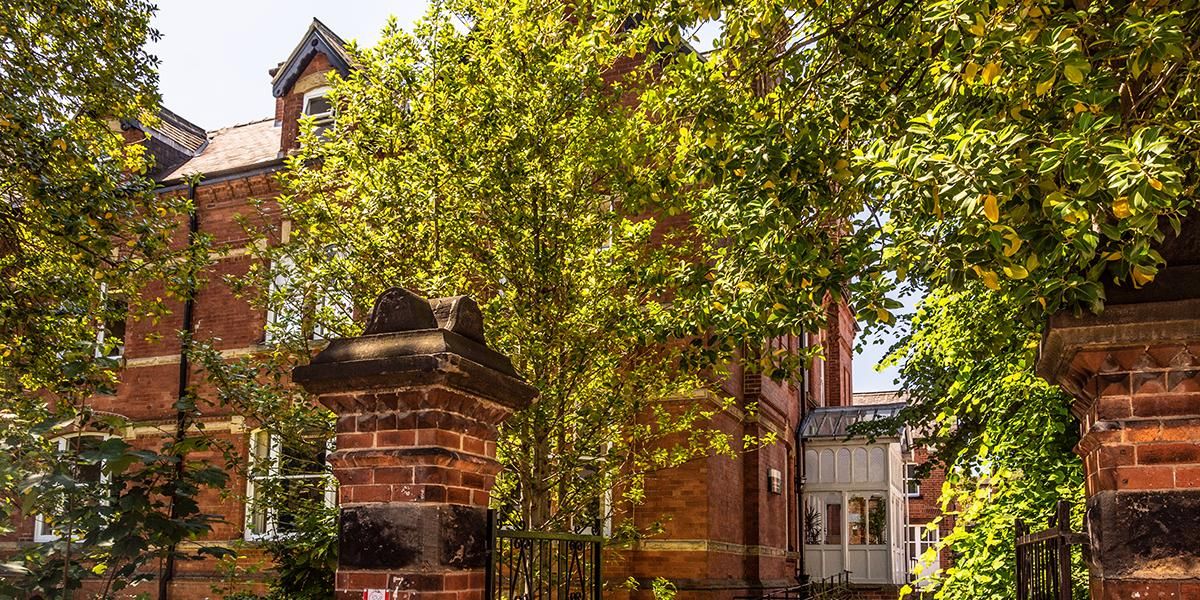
<point>275,456</point>
<point>282,266</point>
<point>101,332</point>
<point>41,532</point>
<point>339,299</point>
<point>910,479</point>
<point>321,119</point>
<point>867,496</point>
<point>332,299</point>
<point>918,540</point>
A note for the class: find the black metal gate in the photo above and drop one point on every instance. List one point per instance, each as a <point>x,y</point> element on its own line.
<point>537,565</point>
<point>1044,558</point>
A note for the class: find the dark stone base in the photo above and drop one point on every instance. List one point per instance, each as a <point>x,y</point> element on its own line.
<point>401,536</point>
<point>1145,535</point>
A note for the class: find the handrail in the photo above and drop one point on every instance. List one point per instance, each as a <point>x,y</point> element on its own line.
<point>813,590</point>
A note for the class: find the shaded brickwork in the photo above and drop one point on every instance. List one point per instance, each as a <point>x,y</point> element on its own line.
<point>725,532</point>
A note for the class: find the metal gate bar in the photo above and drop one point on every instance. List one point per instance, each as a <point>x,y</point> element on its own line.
<point>538,565</point>
<point>1044,558</point>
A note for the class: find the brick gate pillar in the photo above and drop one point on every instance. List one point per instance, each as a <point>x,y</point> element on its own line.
<point>418,398</point>
<point>1135,374</point>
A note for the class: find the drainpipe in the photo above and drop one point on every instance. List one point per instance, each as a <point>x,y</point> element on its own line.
<point>800,512</point>
<point>181,413</point>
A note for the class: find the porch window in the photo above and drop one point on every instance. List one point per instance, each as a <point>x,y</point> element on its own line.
<point>823,519</point>
<point>285,479</point>
<point>867,520</point>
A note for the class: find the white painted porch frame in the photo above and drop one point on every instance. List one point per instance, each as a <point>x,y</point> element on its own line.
<point>892,490</point>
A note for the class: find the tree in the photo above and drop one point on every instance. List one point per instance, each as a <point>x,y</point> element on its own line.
<point>1035,147</point>
<point>500,161</point>
<point>1004,435</point>
<point>81,235</point>
<point>1010,158</point>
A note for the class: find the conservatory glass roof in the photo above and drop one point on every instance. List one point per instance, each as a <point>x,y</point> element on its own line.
<point>835,421</point>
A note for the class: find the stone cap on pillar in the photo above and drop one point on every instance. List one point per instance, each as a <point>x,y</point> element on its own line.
<point>1073,347</point>
<point>1163,313</point>
<point>411,341</point>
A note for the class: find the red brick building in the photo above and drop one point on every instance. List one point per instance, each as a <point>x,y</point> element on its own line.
<point>733,525</point>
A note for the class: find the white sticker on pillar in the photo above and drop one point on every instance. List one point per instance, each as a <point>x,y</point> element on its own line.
<point>376,595</point>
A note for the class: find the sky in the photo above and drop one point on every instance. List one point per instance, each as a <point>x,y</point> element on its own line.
<point>215,56</point>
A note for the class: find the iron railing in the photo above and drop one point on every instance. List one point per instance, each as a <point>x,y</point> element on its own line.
<point>833,587</point>
<point>1044,558</point>
<point>538,565</point>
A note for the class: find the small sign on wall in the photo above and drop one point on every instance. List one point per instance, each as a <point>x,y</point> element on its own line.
<point>377,595</point>
<point>774,481</point>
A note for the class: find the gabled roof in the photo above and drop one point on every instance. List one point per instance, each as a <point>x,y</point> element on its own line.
<point>233,147</point>
<point>318,39</point>
<point>835,421</point>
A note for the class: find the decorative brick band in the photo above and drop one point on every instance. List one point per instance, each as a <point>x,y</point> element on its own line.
<point>711,546</point>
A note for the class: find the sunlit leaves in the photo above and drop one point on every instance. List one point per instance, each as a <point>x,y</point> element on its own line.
<point>1004,434</point>
<point>519,172</point>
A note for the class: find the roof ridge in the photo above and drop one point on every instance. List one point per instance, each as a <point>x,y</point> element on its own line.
<point>235,126</point>
<point>860,406</point>
<point>317,38</point>
<point>178,120</point>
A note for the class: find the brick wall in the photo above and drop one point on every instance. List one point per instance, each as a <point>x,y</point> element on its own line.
<point>149,381</point>
<point>724,532</point>
<point>289,106</point>
<point>838,350</point>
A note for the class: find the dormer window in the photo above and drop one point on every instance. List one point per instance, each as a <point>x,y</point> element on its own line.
<point>318,106</point>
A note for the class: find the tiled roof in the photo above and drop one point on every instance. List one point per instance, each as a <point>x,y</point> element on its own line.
<point>835,421</point>
<point>232,147</point>
<point>181,131</point>
<point>888,397</point>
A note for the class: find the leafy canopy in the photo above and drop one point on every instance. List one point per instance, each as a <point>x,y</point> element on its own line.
<point>1036,147</point>
<point>1009,158</point>
<point>501,161</point>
